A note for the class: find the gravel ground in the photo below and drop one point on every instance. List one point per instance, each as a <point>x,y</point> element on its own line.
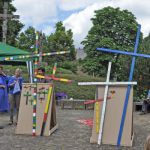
<point>71,135</point>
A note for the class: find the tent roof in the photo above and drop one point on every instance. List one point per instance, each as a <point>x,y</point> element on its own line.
<point>7,50</point>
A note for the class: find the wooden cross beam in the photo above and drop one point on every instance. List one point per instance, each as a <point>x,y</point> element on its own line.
<point>27,96</point>
<point>32,56</point>
<point>42,91</point>
<point>52,77</point>
<point>5,18</point>
<point>31,101</point>
<point>134,55</point>
<point>50,89</point>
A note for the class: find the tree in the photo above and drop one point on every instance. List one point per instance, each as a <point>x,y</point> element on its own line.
<point>112,28</point>
<point>61,40</point>
<point>14,26</point>
<point>143,70</point>
<point>26,39</point>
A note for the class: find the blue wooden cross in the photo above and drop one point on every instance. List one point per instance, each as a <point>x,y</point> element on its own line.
<point>134,54</point>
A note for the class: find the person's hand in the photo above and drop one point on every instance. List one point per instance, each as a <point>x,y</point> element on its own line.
<point>3,74</point>
<point>14,82</point>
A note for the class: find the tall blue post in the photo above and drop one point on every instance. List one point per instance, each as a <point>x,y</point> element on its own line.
<point>128,88</point>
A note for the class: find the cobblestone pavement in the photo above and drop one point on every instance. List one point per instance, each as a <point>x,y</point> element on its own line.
<point>71,135</point>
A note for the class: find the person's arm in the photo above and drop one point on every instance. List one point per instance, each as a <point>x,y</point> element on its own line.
<point>3,74</point>
<point>1,83</point>
<point>11,82</point>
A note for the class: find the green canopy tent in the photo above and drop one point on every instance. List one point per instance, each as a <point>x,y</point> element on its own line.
<point>10,51</point>
<point>7,50</point>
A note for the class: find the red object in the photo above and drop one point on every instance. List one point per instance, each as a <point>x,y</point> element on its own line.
<point>45,117</point>
<point>94,101</point>
<point>33,134</point>
<point>88,122</point>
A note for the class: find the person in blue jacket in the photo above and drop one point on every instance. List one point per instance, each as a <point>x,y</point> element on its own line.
<point>4,104</point>
<point>15,87</point>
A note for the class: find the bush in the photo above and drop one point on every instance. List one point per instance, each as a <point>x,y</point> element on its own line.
<point>75,91</point>
<point>69,65</point>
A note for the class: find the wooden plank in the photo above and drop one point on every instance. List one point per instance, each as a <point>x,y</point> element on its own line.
<point>107,83</point>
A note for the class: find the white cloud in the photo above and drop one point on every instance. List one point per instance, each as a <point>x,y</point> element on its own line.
<point>36,12</point>
<point>80,22</point>
<point>47,30</point>
<point>140,9</point>
<point>76,4</point>
<point>41,13</point>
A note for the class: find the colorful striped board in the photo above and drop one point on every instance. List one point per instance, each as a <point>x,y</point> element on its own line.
<point>25,118</point>
<point>35,89</point>
<point>54,70</point>
<point>48,102</point>
<point>53,78</point>
<point>32,56</point>
<point>46,109</point>
<point>97,116</point>
<point>49,96</point>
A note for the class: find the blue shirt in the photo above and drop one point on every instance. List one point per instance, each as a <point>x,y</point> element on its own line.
<point>12,80</point>
<point>4,105</point>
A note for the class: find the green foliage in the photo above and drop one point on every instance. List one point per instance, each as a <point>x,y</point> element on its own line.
<point>61,40</point>
<point>142,70</point>
<point>69,65</point>
<point>71,89</point>
<point>146,44</point>
<point>26,39</point>
<point>115,29</point>
<point>14,26</point>
<point>75,91</point>
<point>49,70</point>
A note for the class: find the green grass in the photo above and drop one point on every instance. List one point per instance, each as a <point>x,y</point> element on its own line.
<point>71,89</point>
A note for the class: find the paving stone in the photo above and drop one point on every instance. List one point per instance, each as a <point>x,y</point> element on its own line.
<point>71,135</point>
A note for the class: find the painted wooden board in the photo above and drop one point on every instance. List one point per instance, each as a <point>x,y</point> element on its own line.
<point>25,118</point>
<point>113,116</point>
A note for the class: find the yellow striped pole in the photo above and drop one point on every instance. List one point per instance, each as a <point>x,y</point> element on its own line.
<point>46,110</point>
<point>53,78</point>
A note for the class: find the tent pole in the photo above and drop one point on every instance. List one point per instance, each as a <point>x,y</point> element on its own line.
<point>31,71</point>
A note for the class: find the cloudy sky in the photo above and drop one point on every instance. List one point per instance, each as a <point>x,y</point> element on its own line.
<point>76,14</point>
